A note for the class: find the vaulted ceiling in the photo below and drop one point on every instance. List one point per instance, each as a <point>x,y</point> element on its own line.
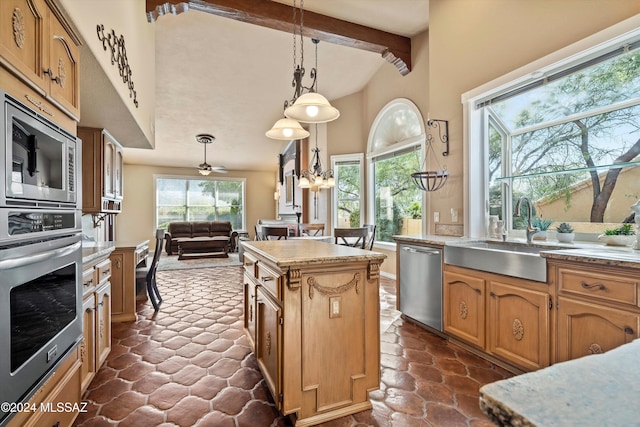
<point>225,67</point>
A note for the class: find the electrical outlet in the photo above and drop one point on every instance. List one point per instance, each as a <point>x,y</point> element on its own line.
<point>436,217</point>
<point>454,215</point>
<point>335,307</point>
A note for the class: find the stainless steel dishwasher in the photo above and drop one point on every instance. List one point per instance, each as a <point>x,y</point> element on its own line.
<point>421,284</point>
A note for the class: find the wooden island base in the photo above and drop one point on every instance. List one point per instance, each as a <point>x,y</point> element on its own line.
<point>312,315</point>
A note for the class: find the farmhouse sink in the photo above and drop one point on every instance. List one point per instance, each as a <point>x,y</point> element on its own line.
<point>510,258</point>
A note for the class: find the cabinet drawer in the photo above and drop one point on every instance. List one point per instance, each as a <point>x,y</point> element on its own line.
<point>270,280</point>
<point>250,264</point>
<point>104,271</point>
<point>141,254</point>
<point>601,286</point>
<point>88,281</point>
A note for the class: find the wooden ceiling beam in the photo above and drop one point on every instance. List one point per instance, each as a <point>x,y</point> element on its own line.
<point>393,48</point>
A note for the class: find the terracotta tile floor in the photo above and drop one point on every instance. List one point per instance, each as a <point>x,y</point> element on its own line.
<point>190,364</point>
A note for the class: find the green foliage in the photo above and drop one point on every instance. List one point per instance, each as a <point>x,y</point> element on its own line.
<point>564,227</point>
<point>541,223</point>
<point>354,218</point>
<point>623,230</point>
<point>415,210</point>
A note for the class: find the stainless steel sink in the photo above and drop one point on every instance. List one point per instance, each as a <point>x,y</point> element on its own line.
<point>511,259</point>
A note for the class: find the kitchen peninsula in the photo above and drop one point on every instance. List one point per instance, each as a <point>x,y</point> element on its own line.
<point>312,317</point>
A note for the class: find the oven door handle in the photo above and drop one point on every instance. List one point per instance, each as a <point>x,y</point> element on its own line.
<point>32,259</point>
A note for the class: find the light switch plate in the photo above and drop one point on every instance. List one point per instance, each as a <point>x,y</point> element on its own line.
<point>436,217</point>
<point>454,215</point>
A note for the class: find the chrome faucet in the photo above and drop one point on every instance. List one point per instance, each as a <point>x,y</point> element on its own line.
<point>531,230</point>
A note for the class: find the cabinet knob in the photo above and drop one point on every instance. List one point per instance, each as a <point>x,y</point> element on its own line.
<point>628,330</point>
<point>266,278</point>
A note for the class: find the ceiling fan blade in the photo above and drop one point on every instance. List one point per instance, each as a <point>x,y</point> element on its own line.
<point>219,169</point>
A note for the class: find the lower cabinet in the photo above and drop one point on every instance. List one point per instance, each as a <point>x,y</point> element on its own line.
<point>505,317</point>
<point>269,340</point>
<point>96,328</point>
<point>586,328</point>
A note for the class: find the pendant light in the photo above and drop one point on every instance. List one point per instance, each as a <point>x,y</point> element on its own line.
<point>310,107</point>
<point>315,177</point>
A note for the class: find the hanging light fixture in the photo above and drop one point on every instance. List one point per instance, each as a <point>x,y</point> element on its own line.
<point>315,177</point>
<point>310,107</point>
<point>205,168</point>
<point>433,180</point>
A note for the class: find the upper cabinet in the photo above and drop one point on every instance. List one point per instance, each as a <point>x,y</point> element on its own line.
<point>102,171</point>
<point>40,49</point>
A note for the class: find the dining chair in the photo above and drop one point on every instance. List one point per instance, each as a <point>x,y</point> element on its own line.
<point>278,232</point>
<point>355,237</point>
<point>371,237</point>
<point>148,274</point>
<point>312,229</point>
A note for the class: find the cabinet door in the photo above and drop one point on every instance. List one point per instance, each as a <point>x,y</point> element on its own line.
<point>268,341</point>
<point>518,328</point>
<point>103,323</point>
<point>464,307</point>
<point>585,328</point>
<point>63,67</point>
<point>118,174</point>
<point>88,346</point>
<point>22,41</point>
<point>250,310</point>
<point>108,189</point>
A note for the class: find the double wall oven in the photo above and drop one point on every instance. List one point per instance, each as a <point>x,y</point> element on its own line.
<point>40,249</point>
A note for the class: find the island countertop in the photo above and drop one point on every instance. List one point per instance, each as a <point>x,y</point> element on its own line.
<point>301,252</point>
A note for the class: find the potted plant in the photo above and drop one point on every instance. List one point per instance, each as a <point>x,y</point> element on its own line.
<point>620,236</point>
<point>564,233</point>
<point>542,225</point>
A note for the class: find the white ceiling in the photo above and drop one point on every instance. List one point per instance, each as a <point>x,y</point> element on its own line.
<point>229,78</point>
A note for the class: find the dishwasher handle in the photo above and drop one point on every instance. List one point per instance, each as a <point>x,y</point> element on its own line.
<point>422,251</point>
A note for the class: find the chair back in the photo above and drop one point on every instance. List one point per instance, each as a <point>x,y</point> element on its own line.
<point>153,267</point>
<point>371,238</point>
<point>259,235</point>
<point>278,232</point>
<point>355,237</point>
<point>312,229</point>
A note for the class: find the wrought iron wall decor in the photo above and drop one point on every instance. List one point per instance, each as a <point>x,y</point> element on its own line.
<point>118,56</point>
<point>433,180</point>
<point>442,133</point>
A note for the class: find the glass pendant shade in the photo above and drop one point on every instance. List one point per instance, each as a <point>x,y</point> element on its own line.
<point>287,129</point>
<point>303,182</point>
<point>204,172</point>
<point>312,108</point>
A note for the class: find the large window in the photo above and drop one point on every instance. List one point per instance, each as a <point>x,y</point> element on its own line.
<point>348,209</point>
<point>568,139</point>
<point>187,199</point>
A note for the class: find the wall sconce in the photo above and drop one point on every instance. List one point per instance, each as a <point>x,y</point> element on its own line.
<point>442,133</point>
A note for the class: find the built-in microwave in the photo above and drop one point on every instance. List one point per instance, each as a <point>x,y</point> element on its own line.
<point>41,160</point>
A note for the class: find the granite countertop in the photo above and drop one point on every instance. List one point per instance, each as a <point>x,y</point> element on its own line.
<point>94,250</point>
<point>430,239</point>
<point>298,252</point>
<point>596,390</point>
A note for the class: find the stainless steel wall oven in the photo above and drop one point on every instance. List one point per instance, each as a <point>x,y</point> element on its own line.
<point>40,250</point>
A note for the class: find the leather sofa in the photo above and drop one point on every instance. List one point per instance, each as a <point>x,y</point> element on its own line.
<point>204,236</point>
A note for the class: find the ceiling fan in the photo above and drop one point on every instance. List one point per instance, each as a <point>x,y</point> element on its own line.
<point>205,168</point>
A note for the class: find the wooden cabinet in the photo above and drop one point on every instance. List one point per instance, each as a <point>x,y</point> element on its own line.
<point>519,324</point>
<point>597,308</point>
<point>102,171</point>
<point>314,325</point>
<point>505,317</point>
<point>464,311</point>
<point>124,260</point>
<point>40,49</point>
<point>96,328</point>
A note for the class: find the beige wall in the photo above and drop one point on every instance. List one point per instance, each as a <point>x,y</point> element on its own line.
<point>137,220</point>
<point>128,19</point>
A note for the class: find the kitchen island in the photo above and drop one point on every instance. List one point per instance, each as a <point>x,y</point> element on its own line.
<point>312,316</point>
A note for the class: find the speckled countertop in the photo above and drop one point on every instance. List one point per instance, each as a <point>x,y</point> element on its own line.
<point>596,390</point>
<point>291,253</point>
<point>429,239</point>
<point>95,250</point>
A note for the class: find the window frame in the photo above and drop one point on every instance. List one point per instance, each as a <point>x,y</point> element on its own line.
<point>156,177</point>
<point>475,134</point>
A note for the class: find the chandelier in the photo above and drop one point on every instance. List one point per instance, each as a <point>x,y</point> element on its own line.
<point>315,177</point>
<point>205,168</point>
<point>305,107</point>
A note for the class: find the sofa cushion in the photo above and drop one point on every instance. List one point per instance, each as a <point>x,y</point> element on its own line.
<point>179,229</point>
<point>220,228</point>
<point>200,229</point>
